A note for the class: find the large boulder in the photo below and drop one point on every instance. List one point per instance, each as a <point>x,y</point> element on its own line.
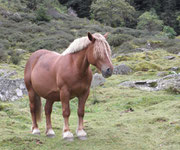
<point>98,80</point>
<point>11,89</point>
<point>122,69</point>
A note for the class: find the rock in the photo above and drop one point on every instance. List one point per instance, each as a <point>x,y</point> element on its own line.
<point>19,92</point>
<point>178,54</point>
<point>5,13</point>
<point>72,12</point>
<point>143,49</point>
<point>98,80</point>
<point>11,89</point>
<point>122,69</point>
<point>169,81</point>
<point>169,57</point>
<point>16,17</point>
<point>20,51</point>
<point>174,68</point>
<point>162,74</point>
<point>6,73</point>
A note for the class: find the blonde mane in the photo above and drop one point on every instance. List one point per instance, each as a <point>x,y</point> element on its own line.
<point>101,46</point>
<point>77,45</point>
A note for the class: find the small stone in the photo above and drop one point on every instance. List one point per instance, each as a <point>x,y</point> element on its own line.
<point>19,92</point>
<point>169,57</point>
<point>14,98</point>
<point>162,74</point>
<point>175,68</point>
<point>22,86</point>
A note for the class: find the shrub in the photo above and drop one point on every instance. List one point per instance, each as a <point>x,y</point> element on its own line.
<point>32,4</point>
<point>41,14</point>
<point>3,54</point>
<point>48,43</point>
<point>117,39</point>
<point>15,57</point>
<point>150,21</point>
<point>169,32</point>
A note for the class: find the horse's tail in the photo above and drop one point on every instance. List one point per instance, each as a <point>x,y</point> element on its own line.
<point>38,108</point>
<point>35,100</point>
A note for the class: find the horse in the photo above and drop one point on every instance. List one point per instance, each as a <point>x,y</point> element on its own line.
<point>61,77</point>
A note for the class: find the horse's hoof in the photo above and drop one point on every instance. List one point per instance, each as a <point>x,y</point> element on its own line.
<point>50,133</point>
<point>68,136</point>
<point>36,131</point>
<point>81,134</point>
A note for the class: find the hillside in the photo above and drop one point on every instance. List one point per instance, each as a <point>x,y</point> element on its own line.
<point>51,28</point>
<point>117,117</point>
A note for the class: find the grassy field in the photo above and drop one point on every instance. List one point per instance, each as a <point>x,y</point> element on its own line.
<point>116,118</point>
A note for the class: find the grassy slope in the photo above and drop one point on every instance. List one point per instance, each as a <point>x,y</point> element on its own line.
<point>154,123</point>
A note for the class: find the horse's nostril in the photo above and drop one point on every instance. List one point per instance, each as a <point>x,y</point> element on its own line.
<point>108,70</point>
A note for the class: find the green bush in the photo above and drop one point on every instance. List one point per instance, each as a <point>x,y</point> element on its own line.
<point>132,32</point>
<point>150,21</point>
<point>113,13</point>
<point>15,57</point>
<point>117,39</point>
<point>169,32</point>
<point>49,43</point>
<point>41,14</point>
<point>3,54</point>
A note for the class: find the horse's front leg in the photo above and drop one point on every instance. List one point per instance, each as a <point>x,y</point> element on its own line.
<point>81,106</point>
<point>65,97</point>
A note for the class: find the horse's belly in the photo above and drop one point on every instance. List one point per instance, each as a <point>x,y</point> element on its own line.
<point>43,84</point>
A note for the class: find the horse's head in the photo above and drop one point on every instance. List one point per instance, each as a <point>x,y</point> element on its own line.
<point>99,54</point>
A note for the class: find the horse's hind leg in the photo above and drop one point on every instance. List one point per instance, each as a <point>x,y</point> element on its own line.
<point>48,110</point>
<point>35,109</point>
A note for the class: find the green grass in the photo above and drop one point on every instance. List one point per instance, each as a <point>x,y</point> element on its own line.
<point>154,123</point>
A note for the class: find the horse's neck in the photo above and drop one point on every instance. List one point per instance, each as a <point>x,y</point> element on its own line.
<point>80,60</point>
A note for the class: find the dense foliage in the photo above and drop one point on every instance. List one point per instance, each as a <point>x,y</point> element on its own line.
<point>113,13</point>
<point>106,11</point>
<point>150,21</point>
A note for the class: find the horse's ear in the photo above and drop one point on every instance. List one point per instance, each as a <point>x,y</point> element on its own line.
<point>106,35</point>
<point>91,38</point>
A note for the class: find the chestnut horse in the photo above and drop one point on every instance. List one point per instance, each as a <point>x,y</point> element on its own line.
<point>61,77</point>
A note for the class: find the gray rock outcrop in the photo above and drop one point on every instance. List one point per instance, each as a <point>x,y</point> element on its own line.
<point>98,80</point>
<point>169,81</point>
<point>122,69</point>
<point>11,89</point>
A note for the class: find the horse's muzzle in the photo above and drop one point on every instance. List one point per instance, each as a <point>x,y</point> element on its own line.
<point>107,72</point>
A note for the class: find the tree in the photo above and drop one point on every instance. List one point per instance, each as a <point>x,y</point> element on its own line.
<point>150,21</point>
<point>169,32</point>
<point>113,12</point>
<point>167,10</point>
